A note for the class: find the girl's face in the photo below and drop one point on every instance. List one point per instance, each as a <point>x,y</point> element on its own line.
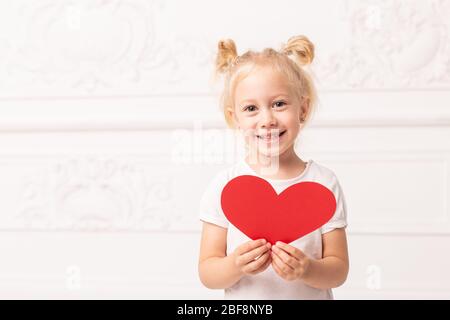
<point>267,112</point>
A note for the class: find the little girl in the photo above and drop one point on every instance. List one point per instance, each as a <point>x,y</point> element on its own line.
<point>269,97</point>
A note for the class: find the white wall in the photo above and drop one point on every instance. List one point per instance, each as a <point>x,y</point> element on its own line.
<point>109,129</point>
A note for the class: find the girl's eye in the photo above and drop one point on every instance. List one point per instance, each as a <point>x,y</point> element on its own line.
<point>279,103</point>
<point>250,108</point>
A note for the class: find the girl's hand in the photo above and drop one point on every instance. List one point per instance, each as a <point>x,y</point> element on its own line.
<point>289,262</point>
<point>252,257</point>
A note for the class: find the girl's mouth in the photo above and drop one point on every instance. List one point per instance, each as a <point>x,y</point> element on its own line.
<point>271,136</point>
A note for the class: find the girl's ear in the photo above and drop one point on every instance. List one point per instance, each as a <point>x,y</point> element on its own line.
<point>232,116</point>
<point>304,109</point>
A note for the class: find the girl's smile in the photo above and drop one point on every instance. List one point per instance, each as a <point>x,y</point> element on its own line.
<point>272,137</point>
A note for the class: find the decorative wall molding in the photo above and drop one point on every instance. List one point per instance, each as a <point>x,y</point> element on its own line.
<point>396,208</point>
<point>408,109</point>
<point>66,48</point>
<point>115,287</point>
<point>20,286</point>
<point>391,45</point>
<point>114,194</point>
<point>92,92</point>
<point>135,47</point>
<point>100,123</point>
<point>92,193</point>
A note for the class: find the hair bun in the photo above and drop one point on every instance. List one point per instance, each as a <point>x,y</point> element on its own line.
<point>301,49</point>
<point>226,54</point>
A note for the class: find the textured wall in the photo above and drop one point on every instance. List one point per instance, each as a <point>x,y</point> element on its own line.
<point>110,130</point>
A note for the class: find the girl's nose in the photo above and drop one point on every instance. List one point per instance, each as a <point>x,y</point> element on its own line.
<point>268,119</point>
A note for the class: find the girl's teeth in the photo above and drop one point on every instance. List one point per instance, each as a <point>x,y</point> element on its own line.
<point>273,137</point>
<point>269,138</point>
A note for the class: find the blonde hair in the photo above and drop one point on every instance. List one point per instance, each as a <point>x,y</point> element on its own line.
<point>289,61</point>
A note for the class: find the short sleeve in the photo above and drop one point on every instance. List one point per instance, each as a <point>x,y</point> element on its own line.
<point>210,209</point>
<point>339,219</point>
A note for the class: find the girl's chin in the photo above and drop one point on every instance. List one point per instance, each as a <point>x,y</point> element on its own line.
<point>269,152</point>
<point>269,146</point>
<point>267,149</point>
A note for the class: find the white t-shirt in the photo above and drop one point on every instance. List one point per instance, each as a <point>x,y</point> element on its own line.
<point>268,284</point>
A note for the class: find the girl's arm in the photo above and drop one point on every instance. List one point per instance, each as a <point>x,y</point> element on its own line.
<point>219,271</point>
<point>329,272</point>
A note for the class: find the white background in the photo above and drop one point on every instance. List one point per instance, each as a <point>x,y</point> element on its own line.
<point>110,130</point>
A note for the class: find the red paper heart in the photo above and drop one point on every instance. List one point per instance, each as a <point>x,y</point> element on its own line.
<point>252,205</point>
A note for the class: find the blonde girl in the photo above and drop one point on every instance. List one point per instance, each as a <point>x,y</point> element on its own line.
<point>268,96</point>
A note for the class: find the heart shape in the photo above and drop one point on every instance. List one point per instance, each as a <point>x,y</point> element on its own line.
<point>252,205</point>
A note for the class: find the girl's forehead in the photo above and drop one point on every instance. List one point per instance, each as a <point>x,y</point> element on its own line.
<point>264,76</point>
<point>267,81</point>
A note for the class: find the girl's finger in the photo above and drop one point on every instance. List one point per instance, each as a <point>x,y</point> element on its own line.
<point>250,245</point>
<point>256,264</point>
<point>285,268</point>
<point>286,258</point>
<point>255,253</point>
<point>264,267</point>
<point>278,270</point>
<point>290,249</point>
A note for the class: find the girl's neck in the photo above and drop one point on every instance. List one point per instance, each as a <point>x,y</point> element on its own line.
<point>289,165</point>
